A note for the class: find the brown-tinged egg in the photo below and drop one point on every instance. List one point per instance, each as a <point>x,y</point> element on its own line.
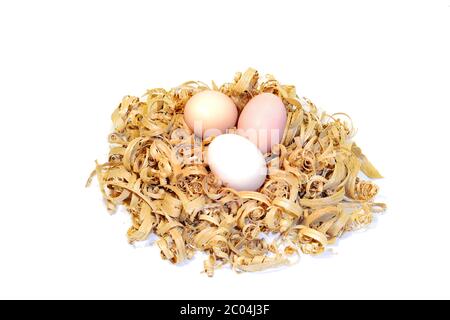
<point>210,113</point>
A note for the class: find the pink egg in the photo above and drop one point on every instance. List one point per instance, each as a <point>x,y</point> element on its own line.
<point>263,120</point>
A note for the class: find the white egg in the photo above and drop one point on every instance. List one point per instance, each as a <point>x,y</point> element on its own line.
<point>237,162</point>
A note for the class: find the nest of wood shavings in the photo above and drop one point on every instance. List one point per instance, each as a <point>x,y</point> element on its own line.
<point>311,196</point>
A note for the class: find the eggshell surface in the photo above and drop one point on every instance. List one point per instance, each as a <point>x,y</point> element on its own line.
<point>210,113</point>
<point>263,120</point>
<point>237,162</point>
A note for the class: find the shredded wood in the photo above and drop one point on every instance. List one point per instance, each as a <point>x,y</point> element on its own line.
<point>312,195</point>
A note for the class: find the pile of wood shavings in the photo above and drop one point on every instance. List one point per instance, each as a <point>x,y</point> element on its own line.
<point>311,196</point>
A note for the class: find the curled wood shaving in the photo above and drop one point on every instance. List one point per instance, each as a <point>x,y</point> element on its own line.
<point>313,192</point>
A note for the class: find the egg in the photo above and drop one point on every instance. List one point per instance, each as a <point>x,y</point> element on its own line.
<point>237,162</point>
<point>263,120</point>
<point>210,113</point>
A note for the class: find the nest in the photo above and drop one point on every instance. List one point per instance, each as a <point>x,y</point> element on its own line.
<point>311,196</point>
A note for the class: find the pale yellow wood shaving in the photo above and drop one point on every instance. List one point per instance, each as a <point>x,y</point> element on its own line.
<point>311,196</point>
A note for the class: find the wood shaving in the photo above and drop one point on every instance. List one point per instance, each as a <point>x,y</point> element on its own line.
<point>313,192</point>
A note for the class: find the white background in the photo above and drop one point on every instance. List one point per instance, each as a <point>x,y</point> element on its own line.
<point>65,65</point>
